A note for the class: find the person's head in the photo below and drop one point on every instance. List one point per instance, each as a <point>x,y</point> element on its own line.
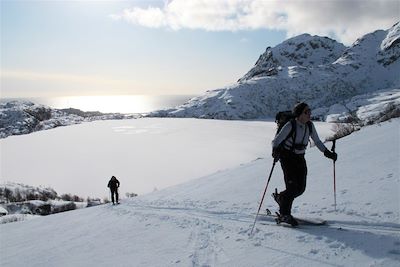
<point>302,112</point>
<point>113,178</point>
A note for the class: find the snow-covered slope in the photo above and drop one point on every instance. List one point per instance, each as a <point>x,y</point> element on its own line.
<point>206,222</point>
<point>307,68</point>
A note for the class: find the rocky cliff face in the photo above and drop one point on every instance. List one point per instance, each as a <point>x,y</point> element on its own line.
<point>314,69</point>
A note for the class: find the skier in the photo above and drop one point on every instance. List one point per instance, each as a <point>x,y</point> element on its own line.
<point>113,184</point>
<point>289,147</point>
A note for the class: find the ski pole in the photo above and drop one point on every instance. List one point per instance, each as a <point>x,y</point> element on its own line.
<point>334,171</point>
<point>262,199</point>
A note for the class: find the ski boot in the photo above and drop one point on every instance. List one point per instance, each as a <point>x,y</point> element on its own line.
<point>289,219</point>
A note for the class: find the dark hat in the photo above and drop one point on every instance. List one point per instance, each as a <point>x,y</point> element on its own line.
<point>299,108</point>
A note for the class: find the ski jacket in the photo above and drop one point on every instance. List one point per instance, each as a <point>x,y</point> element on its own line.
<point>302,134</point>
<point>113,184</point>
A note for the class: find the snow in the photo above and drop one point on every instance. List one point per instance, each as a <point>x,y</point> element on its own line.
<point>143,154</point>
<point>392,36</point>
<point>206,221</point>
<point>11,218</point>
<point>23,117</point>
<point>303,50</point>
<point>367,107</point>
<point>208,175</point>
<point>317,70</point>
<point>3,211</point>
<point>25,190</point>
<point>314,69</point>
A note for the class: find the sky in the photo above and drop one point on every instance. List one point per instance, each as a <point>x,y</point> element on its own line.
<point>65,48</point>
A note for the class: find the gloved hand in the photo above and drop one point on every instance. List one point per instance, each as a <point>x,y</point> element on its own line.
<point>275,153</point>
<point>330,154</point>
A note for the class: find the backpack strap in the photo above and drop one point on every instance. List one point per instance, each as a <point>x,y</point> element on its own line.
<point>309,123</point>
<point>292,134</point>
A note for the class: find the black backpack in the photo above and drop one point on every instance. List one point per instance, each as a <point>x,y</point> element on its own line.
<point>283,117</point>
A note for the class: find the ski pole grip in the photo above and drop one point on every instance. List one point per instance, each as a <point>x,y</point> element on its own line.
<point>333,145</point>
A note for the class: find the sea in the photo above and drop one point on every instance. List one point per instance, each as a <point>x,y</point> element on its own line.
<point>111,103</point>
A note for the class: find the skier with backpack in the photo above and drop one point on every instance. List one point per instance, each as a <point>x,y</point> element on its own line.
<point>289,145</point>
<point>113,184</point>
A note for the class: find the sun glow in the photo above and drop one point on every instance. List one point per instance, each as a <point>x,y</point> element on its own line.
<point>115,103</point>
<point>122,103</point>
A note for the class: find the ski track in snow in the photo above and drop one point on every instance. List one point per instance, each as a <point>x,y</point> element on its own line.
<point>248,218</point>
<point>204,227</point>
<point>208,228</point>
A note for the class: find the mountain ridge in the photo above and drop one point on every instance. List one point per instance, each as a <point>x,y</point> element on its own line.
<point>303,50</point>
<point>308,68</point>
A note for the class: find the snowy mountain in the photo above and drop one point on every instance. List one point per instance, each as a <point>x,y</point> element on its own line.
<point>314,69</point>
<point>206,222</point>
<point>304,50</point>
<point>23,117</point>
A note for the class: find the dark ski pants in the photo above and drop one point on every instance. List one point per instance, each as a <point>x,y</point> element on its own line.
<point>295,173</point>
<point>114,191</point>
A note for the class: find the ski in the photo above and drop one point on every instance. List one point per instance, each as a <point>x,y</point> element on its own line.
<point>269,216</point>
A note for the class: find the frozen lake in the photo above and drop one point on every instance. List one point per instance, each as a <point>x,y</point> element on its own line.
<point>143,154</point>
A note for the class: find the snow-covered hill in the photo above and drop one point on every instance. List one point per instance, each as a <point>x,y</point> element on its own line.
<point>23,117</point>
<point>206,222</point>
<point>317,70</point>
<point>20,202</point>
<point>14,192</point>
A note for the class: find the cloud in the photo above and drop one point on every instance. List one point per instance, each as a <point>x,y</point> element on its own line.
<point>345,20</point>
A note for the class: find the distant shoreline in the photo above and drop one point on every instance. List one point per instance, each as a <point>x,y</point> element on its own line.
<point>125,104</point>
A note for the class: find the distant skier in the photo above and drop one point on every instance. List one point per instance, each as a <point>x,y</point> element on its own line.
<point>289,147</point>
<point>113,184</point>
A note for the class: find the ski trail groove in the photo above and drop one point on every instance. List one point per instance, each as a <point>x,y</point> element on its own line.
<point>245,218</point>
